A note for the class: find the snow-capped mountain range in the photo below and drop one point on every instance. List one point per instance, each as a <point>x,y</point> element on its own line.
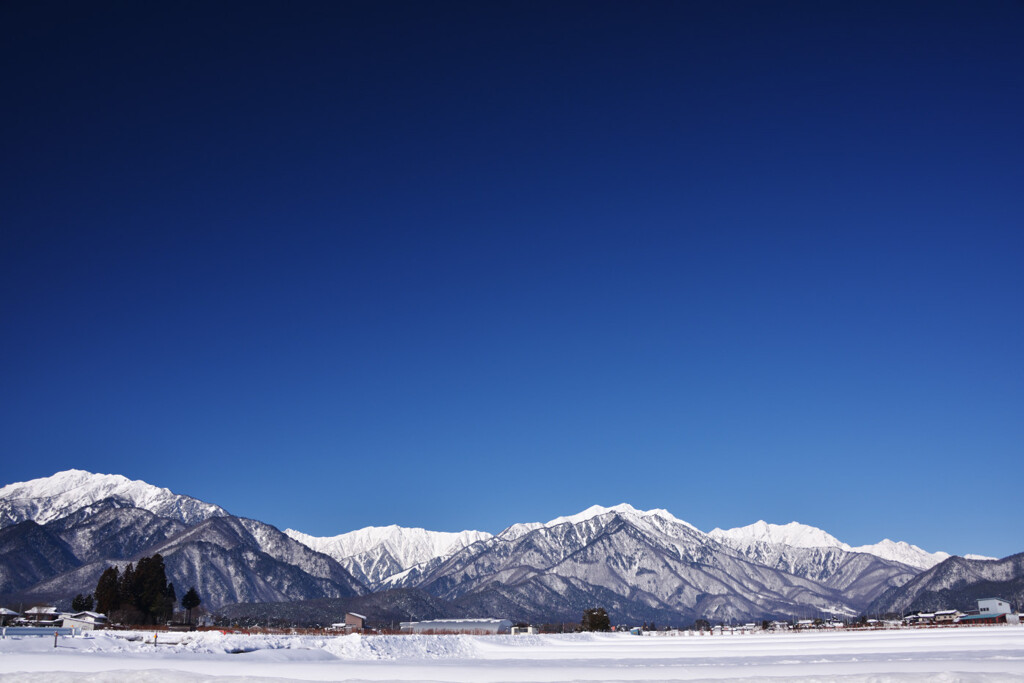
<point>48,498</point>
<point>58,533</point>
<point>374,553</point>
<point>798,535</point>
<point>648,565</point>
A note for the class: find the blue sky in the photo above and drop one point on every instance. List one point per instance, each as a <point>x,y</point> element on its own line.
<point>461,265</point>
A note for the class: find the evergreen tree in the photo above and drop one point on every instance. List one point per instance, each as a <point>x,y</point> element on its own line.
<point>190,601</point>
<point>81,603</point>
<point>107,591</point>
<point>151,588</point>
<point>169,599</point>
<point>595,619</point>
<point>126,589</point>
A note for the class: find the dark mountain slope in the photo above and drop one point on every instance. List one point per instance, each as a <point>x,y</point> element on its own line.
<point>956,583</point>
<point>30,553</point>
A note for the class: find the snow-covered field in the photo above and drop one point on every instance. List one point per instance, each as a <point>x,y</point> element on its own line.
<point>965,654</point>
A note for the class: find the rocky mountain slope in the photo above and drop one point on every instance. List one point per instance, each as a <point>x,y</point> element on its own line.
<point>374,553</point>
<point>227,559</point>
<point>59,533</point>
<point>647,564</point>
<point>30,553</point>
<point>956,583</point>
<point>816,555</point>
<point>761,537</point>
<point>72,535</point>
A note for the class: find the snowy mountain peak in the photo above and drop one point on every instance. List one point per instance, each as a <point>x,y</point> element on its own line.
<point>793,534</point>
<point>48,498</point>
<point>905,553</point>
<point>363,550</point>
<point>624,509</point>
<point>796,535</point>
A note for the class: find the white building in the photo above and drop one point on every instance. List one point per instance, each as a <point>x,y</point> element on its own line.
<point>993,607</point>
<point>524,630</point>
<point>471,626</point>
<point>87,621</point>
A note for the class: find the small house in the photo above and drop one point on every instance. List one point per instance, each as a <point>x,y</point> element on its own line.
<point>42,615</point>
<point>87,621</point>
<point>354,623</point>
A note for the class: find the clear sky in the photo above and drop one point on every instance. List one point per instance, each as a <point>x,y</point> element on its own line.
<point>334,264</point>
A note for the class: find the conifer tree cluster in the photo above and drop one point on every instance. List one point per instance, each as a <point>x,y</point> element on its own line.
<point>138,595</point>
<point>595,619</point>
<point>82,603</point>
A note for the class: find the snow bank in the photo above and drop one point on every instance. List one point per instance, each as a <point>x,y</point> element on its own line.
<point>977,655</point>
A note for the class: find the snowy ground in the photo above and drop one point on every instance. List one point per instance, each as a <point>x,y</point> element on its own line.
<point>985,654</point>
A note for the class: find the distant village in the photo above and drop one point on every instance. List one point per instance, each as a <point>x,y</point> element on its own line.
<point>48,620</point>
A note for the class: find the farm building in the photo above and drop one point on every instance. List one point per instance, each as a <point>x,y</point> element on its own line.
<point>969,619</point>
<point>990,611</point>
<point>993,606</point>
<point>470,626</point>
<point>354,623</point>
<point>87,621</point>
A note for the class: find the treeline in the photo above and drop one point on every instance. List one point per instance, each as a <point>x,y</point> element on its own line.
<point>138,595</point>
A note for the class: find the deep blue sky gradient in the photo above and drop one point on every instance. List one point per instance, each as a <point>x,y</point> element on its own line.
<point>457,265</point>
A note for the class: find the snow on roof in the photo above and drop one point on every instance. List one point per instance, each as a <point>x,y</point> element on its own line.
<point>357,616</point>
<point>42,609</point>
<point>91,615</point>
<point>6,612</point>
